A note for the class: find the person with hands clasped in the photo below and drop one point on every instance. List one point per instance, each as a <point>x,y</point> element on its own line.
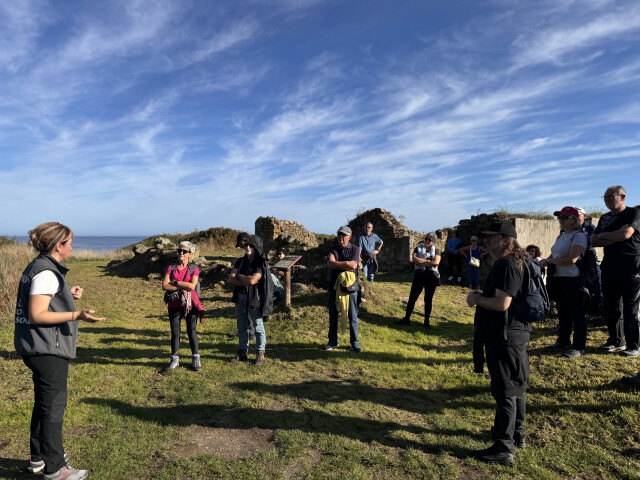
<point>181,281</point>
<point>46,331</point>
<point>564,275</point>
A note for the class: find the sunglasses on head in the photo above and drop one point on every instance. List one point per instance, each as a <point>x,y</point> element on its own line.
<point>183,252</point>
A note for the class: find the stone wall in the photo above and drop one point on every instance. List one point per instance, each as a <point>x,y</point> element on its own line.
<point>283,234</point>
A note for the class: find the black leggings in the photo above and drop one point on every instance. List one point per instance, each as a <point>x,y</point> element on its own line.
<point>50,399</point>
<point>175,314</point>
<point>422,279</point>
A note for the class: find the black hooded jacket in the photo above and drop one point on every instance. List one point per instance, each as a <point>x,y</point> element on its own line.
<point>265,284</point>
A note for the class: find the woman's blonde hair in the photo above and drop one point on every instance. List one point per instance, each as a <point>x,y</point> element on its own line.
<point>46,236</point>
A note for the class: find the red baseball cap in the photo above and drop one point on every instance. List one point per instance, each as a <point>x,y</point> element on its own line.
<point>567,211</point>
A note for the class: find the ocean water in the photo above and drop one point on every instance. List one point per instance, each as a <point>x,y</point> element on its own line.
<point>98,244</point>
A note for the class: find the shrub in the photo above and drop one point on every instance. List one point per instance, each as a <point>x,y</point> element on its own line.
<point>14,257</point>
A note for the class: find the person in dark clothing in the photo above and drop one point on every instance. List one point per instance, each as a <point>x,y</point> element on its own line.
<point>505,339</point>
<point>618,231</point>
<point>426,258</point>
<point>46,330</point>
<point>253,296</point>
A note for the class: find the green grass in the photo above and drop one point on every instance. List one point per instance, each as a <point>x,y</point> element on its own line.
<point>409,406</point>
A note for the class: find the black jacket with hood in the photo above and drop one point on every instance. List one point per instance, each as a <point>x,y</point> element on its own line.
<point>265,284</point>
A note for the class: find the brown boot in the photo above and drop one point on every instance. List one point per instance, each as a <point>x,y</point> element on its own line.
<point>259,358</point>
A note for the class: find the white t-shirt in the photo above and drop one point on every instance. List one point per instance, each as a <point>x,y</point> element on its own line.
<point>562,248</point>
<point>45,283</point>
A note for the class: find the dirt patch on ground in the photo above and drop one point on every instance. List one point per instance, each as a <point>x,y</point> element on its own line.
<point>227,442</point>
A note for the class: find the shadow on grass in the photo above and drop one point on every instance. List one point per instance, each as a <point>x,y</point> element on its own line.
<point>308,420</point>
<point>10,468</point>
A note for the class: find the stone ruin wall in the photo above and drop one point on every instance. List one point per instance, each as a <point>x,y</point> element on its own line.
<point>286,234</point>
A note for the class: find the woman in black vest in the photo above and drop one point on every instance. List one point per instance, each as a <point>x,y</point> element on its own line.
<point>46,329</point>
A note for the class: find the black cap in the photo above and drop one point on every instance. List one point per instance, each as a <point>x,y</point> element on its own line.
<point>241,239</point>
<point>501,228</point>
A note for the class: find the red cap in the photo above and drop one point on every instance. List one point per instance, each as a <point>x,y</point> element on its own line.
<point>567,211</point>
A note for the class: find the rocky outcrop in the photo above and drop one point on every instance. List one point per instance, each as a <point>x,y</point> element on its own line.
<point>285,234</point>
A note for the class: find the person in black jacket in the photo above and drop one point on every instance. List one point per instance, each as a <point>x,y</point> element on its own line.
<point>505,339</point>
<point>253,296</point>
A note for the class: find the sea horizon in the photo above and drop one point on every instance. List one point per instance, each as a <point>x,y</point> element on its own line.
<point>97,243</point>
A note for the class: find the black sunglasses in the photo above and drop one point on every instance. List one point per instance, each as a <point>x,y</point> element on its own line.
<point>183,252</point>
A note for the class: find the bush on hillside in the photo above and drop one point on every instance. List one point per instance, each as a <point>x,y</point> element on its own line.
<point>14,257</point>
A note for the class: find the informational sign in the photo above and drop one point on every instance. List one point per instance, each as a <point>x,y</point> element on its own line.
<point>287,262</point>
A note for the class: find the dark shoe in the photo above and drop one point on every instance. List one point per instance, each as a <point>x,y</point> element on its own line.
<point>241,356</point>
<point>556,346</point>
<point>328,346</point>
<point>427,325</point>
<point>355,349</point>
<point>520,443</point>
<point>633,380</point>
<point>259,358</point>
<point>493,455</point>
<point>404,321</point>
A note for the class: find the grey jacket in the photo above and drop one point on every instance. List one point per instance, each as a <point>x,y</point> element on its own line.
<point>58,339</point>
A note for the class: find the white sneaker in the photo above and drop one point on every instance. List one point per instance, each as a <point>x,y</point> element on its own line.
<point>37,467</point>
<point>67,473</point>
<point>173,365</point>
<point>450,278</point>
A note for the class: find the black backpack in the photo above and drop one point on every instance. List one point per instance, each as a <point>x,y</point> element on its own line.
<point>192,268</point>
<point>533,303</point>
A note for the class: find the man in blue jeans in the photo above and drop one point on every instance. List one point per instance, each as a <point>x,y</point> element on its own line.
<point>343,257</point>
<point>370,245</point>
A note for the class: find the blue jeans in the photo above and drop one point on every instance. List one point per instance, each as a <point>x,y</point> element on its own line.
<point>242,320</point>
<point>473,275</point>
<point>353,319</point>
<point>367,270</point>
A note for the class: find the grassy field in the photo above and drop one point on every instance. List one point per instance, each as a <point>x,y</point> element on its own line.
<point>408,406</point>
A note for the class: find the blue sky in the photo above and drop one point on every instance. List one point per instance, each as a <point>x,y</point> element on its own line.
<point>141,117</point>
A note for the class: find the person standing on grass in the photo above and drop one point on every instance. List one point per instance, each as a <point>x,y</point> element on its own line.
<point>46,330</point>
<point>472,251</point>
<point>505,339</point>
<point>618,231</point>
<point>253,296</point>
<point>370,245</point>
<point>565,276</point>
<point>343,257</point>
<point>182,278</point>
<point>426,258</point>
<point>454,259</point>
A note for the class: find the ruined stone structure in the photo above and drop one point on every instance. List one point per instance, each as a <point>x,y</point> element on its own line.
<point>283,234</point>
<point>399,241</point>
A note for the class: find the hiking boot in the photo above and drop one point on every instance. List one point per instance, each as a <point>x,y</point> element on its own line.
<point>607,347</point>
<point>328,346</point>
<point>173,365</point>
<point>630,353</point>
<point>493,455</point>
<point>427,325</point>
<point>196,362</point>
<point>556,346</point>
<point>519,443</point>
<point>37,467</point>
<point>67,473</point>
<point>259,358</point>
<point>573,353</point>
<point>241,356</point>
<point>403,321</point>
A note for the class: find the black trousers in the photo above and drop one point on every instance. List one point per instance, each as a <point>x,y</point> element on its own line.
<point>509,371</point>
<point>175,314</point>
<point>622,290</point>
<point>570,312</point>
<point>422,279</point>
<point>50,399</point>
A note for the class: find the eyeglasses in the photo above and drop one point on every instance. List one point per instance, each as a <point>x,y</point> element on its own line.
<point>563,217</point>
<point>609,197</point>
<point>183,252</point>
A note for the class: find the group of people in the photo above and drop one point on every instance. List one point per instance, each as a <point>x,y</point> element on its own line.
<point>46,319</point>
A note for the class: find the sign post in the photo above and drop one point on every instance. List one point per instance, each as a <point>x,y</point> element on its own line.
<point>285,265</point>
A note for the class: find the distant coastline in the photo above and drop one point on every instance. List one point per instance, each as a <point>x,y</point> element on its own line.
<point>94,243</point>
